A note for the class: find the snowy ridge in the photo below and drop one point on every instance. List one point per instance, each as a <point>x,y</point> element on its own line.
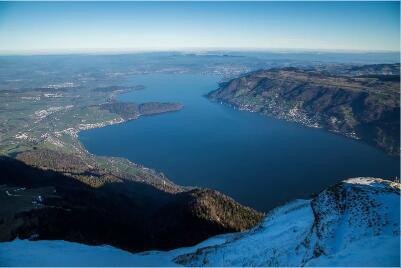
<point>353,211</point>
<point>274,242</point>
<point>353,223</point>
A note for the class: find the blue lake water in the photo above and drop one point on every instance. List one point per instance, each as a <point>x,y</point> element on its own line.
<point>259,161</point>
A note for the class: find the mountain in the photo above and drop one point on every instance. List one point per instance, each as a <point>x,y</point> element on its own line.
<point>353,223</point>
<point>361,103</point>
<point>133,211</point>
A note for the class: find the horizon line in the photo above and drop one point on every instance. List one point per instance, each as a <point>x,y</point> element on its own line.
<point>116,51</point>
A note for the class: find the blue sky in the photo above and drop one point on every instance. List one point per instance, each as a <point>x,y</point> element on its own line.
<point>89,26</point>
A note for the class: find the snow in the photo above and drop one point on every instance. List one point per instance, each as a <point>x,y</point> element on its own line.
<point>14,191</point>
<point>276,239</point>
<point>367,181</point>
<point>362,181</point>
<point>354,223</point>
<point>375,251</point>
<point>63,253</point>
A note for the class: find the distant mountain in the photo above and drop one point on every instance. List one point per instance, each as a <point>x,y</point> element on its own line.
<point>363,102</point>
<point>375,69</point>
<point>353,223</point>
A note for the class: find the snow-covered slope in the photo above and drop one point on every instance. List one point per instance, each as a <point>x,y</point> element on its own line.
<point>63,253</point>
<point>353,223</point>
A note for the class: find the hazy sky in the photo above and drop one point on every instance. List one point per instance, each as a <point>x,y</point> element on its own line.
<point>55,26</point>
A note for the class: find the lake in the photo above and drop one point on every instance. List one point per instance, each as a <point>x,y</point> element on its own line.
<point>260,161</point>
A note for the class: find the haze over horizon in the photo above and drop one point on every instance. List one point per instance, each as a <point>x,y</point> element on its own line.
<point>49,27</point>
